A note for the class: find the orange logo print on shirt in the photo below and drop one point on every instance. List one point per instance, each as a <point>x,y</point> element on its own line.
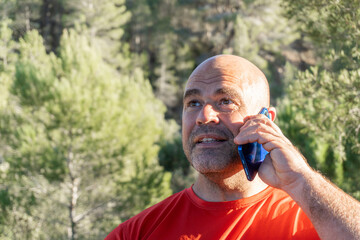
<point>191,237</point>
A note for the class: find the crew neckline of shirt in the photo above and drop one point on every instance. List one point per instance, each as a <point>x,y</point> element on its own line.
<point>227,204</point>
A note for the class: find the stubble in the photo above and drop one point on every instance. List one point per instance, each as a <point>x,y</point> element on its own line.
<point>211,160</point>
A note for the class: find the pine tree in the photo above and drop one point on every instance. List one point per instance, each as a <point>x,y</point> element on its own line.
<point>323,102</point>
<point>50,22</point>
<point>260,32</point>
<point>7,68</point>
<point>25,15</point>
<point>104,22</point>
<point>152,33</point>
<point>7,59</point>
<point>84,148</point>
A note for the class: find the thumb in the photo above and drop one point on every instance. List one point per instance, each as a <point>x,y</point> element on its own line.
<point>267,172</point>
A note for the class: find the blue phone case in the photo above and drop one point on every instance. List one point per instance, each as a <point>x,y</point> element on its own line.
<point>252,154</point>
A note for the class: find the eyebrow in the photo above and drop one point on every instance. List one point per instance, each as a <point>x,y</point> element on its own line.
<point>221,91</point>
<point>191,92</point>
<point>230,92</point>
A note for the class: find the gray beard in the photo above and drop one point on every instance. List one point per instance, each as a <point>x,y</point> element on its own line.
<point>212,160</point>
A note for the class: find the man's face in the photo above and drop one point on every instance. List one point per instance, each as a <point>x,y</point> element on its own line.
<point>214,109</point>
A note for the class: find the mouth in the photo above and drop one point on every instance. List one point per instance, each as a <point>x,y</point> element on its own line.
<point>205,139</point>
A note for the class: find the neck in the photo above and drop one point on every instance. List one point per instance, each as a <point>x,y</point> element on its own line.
<point>214,187</point>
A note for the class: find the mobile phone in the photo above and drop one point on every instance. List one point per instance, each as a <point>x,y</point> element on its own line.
<point>252,154</point>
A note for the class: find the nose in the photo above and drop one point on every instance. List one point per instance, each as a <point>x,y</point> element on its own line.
<point>207,115</point>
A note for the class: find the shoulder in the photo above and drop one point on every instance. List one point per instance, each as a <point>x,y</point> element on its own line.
<point>140,224</point>
<point>279,202</point>
<point>286,216</point>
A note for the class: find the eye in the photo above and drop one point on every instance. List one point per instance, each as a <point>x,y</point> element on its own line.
<point>227,105</point>
<point>193,103</point>
<point>226,101</point>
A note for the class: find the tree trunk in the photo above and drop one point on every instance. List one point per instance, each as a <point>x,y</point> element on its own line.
<point>74,195</point>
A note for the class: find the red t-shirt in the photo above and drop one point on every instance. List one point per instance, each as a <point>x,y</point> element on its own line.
<point>270,214</point>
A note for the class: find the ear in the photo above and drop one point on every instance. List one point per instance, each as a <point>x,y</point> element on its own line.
<point>272,112</point>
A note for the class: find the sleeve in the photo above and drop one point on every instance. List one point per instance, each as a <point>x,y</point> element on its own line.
<point>119,233</point>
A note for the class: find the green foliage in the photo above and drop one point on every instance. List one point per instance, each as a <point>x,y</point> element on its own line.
<point>25,15</point>
<point>103,22</point>
<point>167,57</point>
<point>259,32</point>
<point>173,159</point>
<point>323,102</point>
<point>79,134</point>
<point>333,25</point>
<point>325,108</point>
<point>7,58</point>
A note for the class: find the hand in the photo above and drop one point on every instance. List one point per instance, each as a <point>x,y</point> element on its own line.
<point>284,167</point>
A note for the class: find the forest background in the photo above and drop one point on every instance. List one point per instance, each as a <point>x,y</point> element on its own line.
<point>91,99</point>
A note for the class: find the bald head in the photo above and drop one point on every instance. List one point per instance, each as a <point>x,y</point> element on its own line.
<point>247,75</point>
<point>220,93</point>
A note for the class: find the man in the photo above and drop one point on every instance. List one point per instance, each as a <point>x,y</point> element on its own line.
<point>286,200</point>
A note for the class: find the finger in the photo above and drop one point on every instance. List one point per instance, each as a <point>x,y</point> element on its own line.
<point>257,124</point>
<point>278,130</point>
<point>263,118</point>
<point>255,116</point>
<point>267,172</point>
<point>262,122</point>
<point>262,138</point>
<point>255,119</point>
<point>271,145</point>
<point>250,134</point>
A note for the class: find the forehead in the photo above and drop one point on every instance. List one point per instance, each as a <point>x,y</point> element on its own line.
<point>230,72</point>
<point>214,83</point>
